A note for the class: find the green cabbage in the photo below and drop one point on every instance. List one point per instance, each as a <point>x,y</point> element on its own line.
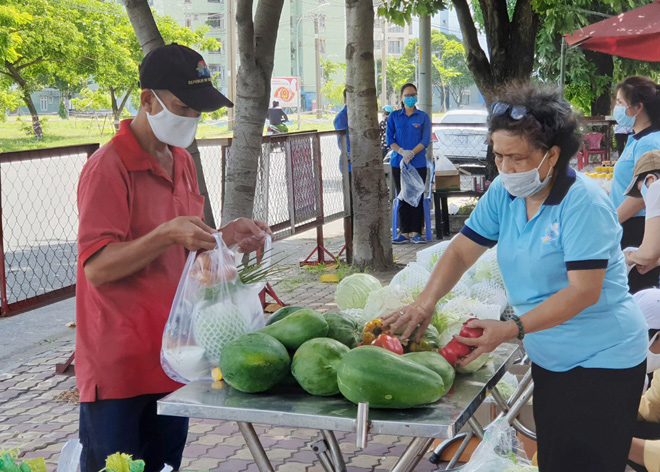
<point>386,301</point>
<point>352,292</point>
<point>475,365</point>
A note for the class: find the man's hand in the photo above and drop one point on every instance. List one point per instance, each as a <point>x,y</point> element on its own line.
<point>248,234</point>
<point>190,232</point>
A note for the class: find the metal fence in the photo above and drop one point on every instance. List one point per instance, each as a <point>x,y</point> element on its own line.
<point>39,225</point>
<point>299,187</point>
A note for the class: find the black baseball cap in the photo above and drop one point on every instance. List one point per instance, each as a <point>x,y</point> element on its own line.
<point>183,72</point>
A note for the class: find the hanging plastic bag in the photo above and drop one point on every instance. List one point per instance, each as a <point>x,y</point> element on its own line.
<point>211,307</point>
<point>500,451</point>
<point>412,185</point>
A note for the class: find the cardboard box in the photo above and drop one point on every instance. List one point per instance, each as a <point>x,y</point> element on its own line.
<point>447,181</point>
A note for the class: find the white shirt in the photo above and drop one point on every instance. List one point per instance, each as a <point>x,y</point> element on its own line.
<point>652,200</point>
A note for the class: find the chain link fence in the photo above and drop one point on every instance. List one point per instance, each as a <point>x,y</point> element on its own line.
<point>39,225</point>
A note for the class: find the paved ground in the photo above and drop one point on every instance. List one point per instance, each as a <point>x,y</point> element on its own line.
<point>39,413</point>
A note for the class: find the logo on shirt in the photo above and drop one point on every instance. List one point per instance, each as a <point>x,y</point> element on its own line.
<point>416,125</point>
<point>551,233</point>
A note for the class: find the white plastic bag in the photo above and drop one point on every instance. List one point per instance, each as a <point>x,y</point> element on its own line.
<point>211,307</point>
<point>500,451</point>
<point>412,185</point>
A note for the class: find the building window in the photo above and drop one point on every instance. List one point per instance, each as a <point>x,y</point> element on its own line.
<point>321,22</point>
<point>466,97</point>
<point>396,29</point>
<point>44,103</point>
<point>50,100</point>
<point>188,22</point>
<point>377,45</point>
<point>322,46</point>
<point>218,51</point>
<point>187,2</point>
<point>394,47</point>
<point>216,1</point>
<point>216,20</point>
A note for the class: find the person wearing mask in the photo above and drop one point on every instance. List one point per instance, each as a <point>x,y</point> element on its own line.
<point>637,106</point>
<point>558,249</point>
<point>646,184</point>
<point>408,135</point>
<point>277,117</point>
<point>140,213</point>
<point>383,129</point>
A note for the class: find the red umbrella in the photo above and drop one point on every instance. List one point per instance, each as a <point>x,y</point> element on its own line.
<point>634,34</point>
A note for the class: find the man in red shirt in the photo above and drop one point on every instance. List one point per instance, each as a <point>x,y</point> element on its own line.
<point>140,213</point>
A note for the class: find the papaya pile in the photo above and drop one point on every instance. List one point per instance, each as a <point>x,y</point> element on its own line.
<point>323,354</point>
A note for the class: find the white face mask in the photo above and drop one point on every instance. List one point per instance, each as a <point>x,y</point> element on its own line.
<point>525,184</point>
<point>652,359</point>
<point>173,129</point>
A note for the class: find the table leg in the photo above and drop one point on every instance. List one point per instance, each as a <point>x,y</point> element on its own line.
<point>438,216</point>
<point>445,215</point>
<point>255,447</point>
<point>460,450</point>
<point>412,455</point>
<point>335,452</point>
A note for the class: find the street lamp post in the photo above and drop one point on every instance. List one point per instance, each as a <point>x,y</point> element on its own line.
<point>300,18</point>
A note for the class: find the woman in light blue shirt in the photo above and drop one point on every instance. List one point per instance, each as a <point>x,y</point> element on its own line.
<point>558,249</point>
<point>638,107</point>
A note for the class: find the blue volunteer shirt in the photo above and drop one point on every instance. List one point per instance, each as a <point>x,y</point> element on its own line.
<point>576,228</point>
<point>341,122</point>
<point>408,132</point>
<point>646,140</point>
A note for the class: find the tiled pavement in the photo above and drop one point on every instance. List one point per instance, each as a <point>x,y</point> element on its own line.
<point>36,417</point>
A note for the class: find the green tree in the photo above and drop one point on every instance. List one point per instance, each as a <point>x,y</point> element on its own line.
<point>332,90</point>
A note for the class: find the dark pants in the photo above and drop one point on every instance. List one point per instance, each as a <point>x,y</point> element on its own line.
<point>633,233</point>
<point>621,140</point>
<point>131,426</point>
<point>585,417</point>
<point>411,218</point>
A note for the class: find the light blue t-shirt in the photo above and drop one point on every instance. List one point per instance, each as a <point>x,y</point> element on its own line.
<point>637,144</point>
<point>575,229</point>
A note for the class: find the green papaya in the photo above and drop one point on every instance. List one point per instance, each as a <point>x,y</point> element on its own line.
<point>282,313</point>
<point>298,327</point>
<point>315,363</point>
<point>343,328</point>
<point>386,380</point>
<point>254,362</point>
<point>434,361</point>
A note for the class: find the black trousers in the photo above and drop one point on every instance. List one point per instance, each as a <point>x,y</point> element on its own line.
<point>132,426</point>
<point>633,233</point>
<point>621,140</point>
<point>411,218</point>
<point>585,417</point>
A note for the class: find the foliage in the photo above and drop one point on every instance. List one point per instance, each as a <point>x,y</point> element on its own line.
<point>92,100</point>
<point>400,12</point>
<point>9,100</point>
<point>333,91</point>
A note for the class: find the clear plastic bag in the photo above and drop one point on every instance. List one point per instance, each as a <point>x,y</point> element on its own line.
<point>211,307</point>
<point>500,451</point>
<point>412,185</point>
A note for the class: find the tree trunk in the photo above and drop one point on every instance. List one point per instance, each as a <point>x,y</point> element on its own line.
<point>602,104</point>
<point>27,98</point>
<point>373,239</point>
<point>256,48</point>
<point>150,38</point>
<point>510,43</point>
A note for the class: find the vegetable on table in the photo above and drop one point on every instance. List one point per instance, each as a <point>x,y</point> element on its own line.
<point>391,343</point>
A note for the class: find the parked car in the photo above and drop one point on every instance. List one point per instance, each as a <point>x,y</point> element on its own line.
<point>461,137</point>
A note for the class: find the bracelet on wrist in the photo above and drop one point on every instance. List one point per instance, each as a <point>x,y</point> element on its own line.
<point>515,319</point>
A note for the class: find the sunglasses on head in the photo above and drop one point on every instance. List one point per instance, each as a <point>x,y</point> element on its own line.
<point>516,112</point>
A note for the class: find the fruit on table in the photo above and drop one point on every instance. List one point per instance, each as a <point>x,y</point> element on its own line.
<point>343,328</point>
<point>297,328</point>
<point>282,313</point>
<point>467,332</point>
<point>217,324</point>
<point>391,343</point>
<point>374,328</point>
<point>315,363</point>
<point>254,362</point>
<point>434,361</point>
<point>386,380</point>
<point>455,351</point>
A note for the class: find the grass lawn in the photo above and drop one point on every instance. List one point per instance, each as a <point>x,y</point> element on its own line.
<point>16,133</point>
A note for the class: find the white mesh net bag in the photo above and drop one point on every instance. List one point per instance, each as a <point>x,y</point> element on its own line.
<point>490,293</point>
<point>427,257</point>
<point>486,268</point>
<point>414,277</point>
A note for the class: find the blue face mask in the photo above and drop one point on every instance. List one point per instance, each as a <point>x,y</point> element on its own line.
<point>644,190</point>
<point>621,117</point>
<point>410,101</point>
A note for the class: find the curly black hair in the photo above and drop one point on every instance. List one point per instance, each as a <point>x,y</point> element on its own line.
<point>549,120</point>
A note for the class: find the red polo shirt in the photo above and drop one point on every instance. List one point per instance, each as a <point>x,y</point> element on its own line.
<point>123,193</point>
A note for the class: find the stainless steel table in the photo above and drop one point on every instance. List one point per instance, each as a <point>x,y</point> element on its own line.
<point>443,419</point>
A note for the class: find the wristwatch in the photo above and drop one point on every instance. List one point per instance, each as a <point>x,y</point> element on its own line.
<point>512,317</point>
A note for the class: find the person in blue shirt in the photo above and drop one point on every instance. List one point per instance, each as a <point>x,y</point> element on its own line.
<point>558,250</point>
<point>637,106</point>
<point>341,123</point>
<point>408,135</point>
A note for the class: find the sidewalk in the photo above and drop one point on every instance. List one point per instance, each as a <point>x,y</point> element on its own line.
<point>39,410</point>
